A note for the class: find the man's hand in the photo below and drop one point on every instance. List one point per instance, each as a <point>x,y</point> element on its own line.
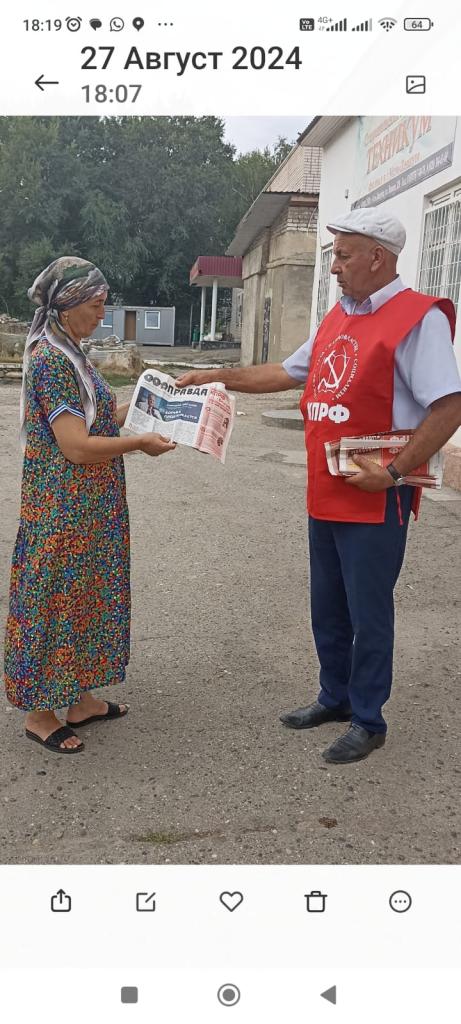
<point>155,444</point>
<point>254,380</point>
<point>197,377</point>
<point>371,477</point>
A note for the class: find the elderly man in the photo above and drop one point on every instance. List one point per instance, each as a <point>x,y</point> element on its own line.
<point>381,359</point>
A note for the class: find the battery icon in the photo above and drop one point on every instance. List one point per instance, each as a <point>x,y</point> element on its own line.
<point>418,24</point>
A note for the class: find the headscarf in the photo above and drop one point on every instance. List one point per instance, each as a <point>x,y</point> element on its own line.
<point>66,283</point>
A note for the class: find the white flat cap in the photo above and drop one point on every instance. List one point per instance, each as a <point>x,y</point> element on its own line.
<point>374,223</point>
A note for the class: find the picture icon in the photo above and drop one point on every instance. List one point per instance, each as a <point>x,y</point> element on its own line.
<point>416,84</point>
<point>387,23</point>
<point>73,24</point>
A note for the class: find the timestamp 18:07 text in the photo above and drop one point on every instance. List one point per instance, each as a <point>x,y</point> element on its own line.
<point>111,94</point>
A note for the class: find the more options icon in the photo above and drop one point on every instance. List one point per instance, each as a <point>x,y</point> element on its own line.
<point>400,901</point>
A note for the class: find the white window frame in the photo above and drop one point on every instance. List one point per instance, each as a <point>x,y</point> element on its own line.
<point>110,313</point>
<point>323,290</point>
<point>151,327</point>
<point>440,260</point>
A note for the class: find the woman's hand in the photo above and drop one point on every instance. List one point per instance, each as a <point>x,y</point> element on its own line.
<point>155,444</point>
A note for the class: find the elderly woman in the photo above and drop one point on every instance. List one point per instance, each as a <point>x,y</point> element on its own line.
<point>69,619</point>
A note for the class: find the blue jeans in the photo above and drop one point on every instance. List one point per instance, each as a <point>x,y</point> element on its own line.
<point>354,569</point>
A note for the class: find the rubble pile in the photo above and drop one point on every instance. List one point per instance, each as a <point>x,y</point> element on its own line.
<point>11,325</point>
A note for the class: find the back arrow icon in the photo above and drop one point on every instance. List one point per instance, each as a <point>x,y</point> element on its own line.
<point>40,82</point>
<point>330,995</point>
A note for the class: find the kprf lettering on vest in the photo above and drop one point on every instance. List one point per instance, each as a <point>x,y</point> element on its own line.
<point>320,410</point>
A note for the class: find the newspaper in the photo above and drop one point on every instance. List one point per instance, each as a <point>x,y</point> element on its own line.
<point>201,417</point>
<point>381,448</point>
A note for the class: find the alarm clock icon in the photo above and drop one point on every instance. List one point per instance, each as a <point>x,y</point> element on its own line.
<point>73,24</point>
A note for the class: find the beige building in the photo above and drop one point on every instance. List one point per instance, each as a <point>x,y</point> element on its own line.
<point>277,241</point>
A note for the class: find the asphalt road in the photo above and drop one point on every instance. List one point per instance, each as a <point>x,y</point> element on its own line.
<point>201,771</point>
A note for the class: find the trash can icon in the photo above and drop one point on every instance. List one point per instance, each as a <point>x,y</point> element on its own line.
<point>315,901</point>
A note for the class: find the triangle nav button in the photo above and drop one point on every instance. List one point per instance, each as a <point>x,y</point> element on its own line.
<point>330,995</point>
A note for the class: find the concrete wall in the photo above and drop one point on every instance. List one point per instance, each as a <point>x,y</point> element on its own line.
<point>279,267</point>
<point>338,168</point>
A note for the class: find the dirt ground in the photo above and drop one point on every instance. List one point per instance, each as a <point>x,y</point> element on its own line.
<point>201,771</point>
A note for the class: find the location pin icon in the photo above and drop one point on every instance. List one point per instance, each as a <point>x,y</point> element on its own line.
<point>138,23</point>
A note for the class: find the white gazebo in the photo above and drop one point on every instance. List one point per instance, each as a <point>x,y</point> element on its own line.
<point>215,272</point>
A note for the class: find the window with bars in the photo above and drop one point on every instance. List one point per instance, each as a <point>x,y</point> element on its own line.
<point>324,282</point>
<point>440,272</point>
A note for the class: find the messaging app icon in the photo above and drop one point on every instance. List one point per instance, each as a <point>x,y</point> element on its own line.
<point>117,24</point>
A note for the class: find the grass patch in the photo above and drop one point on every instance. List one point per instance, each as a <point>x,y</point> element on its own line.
<point>116,380</point>
<point>173,371</point>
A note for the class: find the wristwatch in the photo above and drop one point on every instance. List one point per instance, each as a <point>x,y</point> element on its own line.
<point>395,474</point>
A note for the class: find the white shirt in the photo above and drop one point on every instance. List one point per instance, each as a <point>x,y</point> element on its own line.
<point>425,363</point>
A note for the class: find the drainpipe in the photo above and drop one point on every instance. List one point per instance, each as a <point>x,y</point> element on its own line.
<point>214,305</point>
<point>202,316</point>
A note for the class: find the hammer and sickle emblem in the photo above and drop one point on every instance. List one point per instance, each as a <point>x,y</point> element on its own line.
<point>337,364</point>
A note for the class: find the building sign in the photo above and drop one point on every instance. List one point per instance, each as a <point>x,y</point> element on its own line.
<point>395,153</point>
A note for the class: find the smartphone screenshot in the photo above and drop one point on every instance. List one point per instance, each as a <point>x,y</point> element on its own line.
<point>230,413</point>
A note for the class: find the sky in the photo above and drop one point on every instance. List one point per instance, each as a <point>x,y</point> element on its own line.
<point>248,133</point>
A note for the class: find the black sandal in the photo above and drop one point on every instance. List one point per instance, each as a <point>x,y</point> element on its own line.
<point>113,711</point>
<point>54,740</point>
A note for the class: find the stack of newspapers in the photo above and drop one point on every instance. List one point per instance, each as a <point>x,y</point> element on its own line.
<point>199,416</point>
<point>382,449</point>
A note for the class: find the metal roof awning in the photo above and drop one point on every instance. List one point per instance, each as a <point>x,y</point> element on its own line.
<point>321,130</point>
<point>226,270</point>
<point>261,215</point>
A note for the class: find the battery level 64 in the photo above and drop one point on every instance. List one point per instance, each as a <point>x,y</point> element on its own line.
<point>418,24</point>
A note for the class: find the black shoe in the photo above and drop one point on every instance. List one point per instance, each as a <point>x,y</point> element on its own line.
<point>354,745</point>
<point>315,714</point>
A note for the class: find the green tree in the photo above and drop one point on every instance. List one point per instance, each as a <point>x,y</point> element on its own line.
<point>141,197</point>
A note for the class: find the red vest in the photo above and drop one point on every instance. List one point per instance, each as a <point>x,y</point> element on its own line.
<point>350,391</point>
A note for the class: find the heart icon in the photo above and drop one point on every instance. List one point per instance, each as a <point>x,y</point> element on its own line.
<point>231,900</point>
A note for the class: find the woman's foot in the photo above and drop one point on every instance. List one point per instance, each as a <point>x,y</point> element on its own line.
<point>90,707</point>
<point>44,723</point>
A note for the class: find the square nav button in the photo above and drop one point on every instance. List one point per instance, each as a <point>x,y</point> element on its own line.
<point>129,994</point>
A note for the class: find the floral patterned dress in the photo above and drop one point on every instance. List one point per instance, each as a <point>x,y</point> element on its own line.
<point>69,618</point>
